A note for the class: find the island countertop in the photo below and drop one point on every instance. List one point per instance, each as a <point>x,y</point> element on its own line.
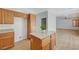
<point>41,35</point>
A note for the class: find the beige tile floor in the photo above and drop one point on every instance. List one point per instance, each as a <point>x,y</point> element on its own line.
<point>67,39</point>
<point>21,45</point>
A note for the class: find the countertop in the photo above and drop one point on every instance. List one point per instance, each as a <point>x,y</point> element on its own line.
<point>41,35</point>
<point>6,30</point>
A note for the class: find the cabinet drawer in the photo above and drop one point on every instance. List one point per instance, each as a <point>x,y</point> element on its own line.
<point>6,34</point>
<point>45,41</point>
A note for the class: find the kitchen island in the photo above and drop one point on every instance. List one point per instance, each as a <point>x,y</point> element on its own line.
<point>41,41</point>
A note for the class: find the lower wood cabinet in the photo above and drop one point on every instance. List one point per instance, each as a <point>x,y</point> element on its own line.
<point>1,43</point>
<point>47,47</point>
<point>53,41</point>
<point>6,40</point>
<point>40,44</point>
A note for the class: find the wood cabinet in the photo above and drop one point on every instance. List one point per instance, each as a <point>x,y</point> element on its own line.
<point>31,24</point>
<point>1,21</point>
<point>40,44</point>
<point>6,16</point>
<point>1,43</point>
<point>75,23</point>
<point>19,14</point>
<point>47,47</point>
<point>53,41</point>
<point>36,43</point>
<point>6,40</point>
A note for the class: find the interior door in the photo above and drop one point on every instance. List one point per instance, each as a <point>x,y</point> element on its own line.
<point>20,25</point>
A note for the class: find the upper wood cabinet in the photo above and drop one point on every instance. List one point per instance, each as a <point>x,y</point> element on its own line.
<point>19,14</point>
<point>1,21</point>
<point>6,16</point>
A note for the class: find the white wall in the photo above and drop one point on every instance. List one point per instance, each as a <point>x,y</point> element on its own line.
<point>65,24</point>
<point>6,26</point>
<point>51,21</point>
<point>38,20</point>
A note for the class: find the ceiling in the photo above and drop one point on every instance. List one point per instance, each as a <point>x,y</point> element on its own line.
<point>29,10</point>
<point>64,11</point>
<point>54,11</point>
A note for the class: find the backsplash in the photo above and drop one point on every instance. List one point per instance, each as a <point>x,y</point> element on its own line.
<point>6,26</point>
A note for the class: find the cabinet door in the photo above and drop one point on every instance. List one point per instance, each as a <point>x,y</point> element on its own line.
<point>45,41</point>
<point>47,47</point>
<point>9,42</point>
<point>1,43</point>
<point>1,21</point>
<point>5,16</point>
<point>33,22</point>
<point>35,43</point>
<point>2,15</point>
<point>53,40</point>
<point>8,17</point>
